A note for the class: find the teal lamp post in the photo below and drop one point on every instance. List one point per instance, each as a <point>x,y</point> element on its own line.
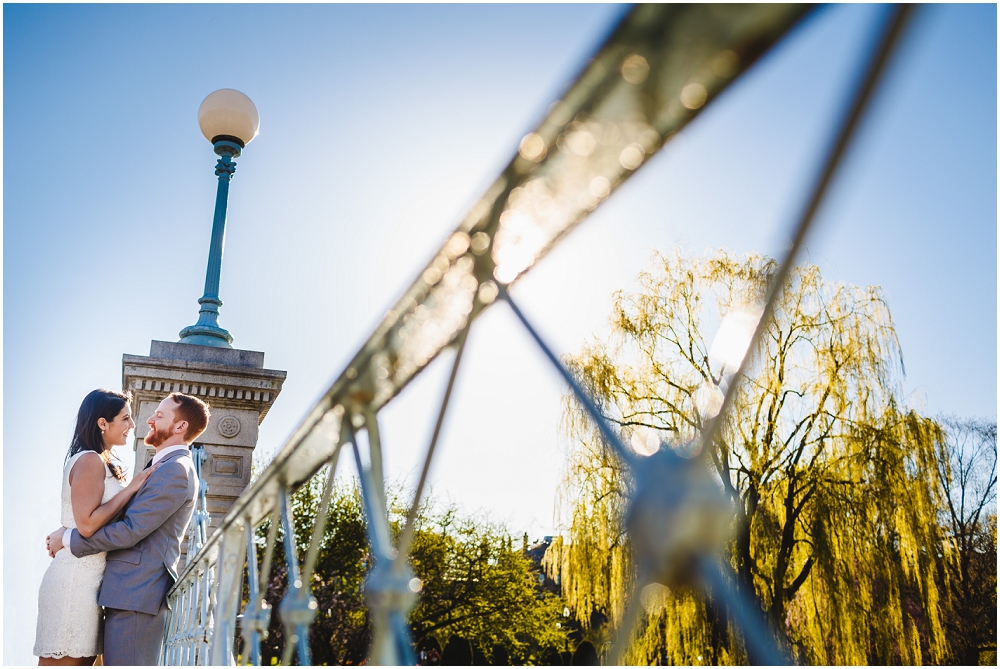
<point>230,121</point>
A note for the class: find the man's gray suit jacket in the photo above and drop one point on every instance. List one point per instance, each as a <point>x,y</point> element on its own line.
<point>144,546</point>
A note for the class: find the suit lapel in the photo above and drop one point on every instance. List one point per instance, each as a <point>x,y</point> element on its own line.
<point>168,458</point>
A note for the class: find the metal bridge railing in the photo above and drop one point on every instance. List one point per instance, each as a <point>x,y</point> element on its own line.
<point>198,529</point>
<point>659,67</point>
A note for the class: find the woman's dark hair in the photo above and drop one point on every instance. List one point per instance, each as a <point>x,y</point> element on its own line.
<point>106,404</point>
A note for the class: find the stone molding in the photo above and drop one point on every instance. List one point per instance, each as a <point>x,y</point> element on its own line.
<point>222,386</point>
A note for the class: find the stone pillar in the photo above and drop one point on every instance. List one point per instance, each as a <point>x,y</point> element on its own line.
<point>235,385</point>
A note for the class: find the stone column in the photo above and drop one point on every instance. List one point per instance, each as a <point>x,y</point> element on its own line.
<point>235,385</point>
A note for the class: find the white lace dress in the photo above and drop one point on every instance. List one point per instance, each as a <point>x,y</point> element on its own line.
<point>70,621</point>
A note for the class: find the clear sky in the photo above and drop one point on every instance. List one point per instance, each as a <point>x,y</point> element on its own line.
<point>380,125</point>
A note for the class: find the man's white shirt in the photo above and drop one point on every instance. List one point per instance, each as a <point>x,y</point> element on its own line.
<point>156,458</point>
<point>167,451</point>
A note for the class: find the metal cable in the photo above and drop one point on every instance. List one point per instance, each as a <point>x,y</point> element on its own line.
<point>406,537</point>
<point>873,71</point>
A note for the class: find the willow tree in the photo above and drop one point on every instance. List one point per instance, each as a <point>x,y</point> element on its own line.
<point>834,532</point>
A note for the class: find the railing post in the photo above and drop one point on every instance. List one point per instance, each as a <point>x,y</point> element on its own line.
<point>166,651</point>
<point>387,589</point>
<point>207,611</point>
<point>229,586</point>
<point>190,597</point>
<point>256,616</point>
<point>298,607</point>
<point>198,529</point>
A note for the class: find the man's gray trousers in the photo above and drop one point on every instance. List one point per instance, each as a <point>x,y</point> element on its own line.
<point>136,637</point>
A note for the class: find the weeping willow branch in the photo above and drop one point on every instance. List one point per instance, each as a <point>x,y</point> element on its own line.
<point>836,534</point>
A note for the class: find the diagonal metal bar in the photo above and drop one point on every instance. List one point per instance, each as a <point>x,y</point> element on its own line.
<point>320,525</point>
<point>272,535</point>
<point>257,614</point>
<point>297,607</point>
<point>760,648</point>
<point>386,587</point>
<point>401,635</point>
<point>609,435</point>
<point>378,529</point>
<point>255,620</point>
<point>225,592</point>
<point>760,641</point>
<point>623,637</point>
<point>873,69</point>
<point>406,537</point>
<point>375,459</point>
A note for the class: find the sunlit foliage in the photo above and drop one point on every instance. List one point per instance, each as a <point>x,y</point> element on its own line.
<point>479,585</point>
<point>341,631</point>
<point>476,582</point>
<point>836,532</point>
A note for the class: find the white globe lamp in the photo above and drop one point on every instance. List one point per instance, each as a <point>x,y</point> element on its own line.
<point>228,114</point>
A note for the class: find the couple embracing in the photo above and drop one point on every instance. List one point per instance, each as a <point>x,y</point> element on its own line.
<point>117,554</point>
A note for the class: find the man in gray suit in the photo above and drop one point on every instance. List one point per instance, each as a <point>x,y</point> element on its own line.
<point>144,546</point>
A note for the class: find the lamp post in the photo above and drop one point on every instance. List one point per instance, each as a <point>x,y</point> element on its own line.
<point>230,121</point>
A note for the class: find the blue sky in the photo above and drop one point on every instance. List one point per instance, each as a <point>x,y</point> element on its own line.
<point>380,125</point>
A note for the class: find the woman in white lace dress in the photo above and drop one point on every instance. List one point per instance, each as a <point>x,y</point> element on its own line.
<point>70,621</point>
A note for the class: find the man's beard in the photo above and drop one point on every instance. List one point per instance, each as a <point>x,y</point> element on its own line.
<point>156,437</point>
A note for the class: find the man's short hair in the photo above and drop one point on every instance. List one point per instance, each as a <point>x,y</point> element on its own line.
<point>194,411</point>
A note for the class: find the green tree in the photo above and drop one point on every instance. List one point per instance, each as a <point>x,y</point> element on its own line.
<point>835,533</point>
<point>479,586</point>
<point>475,583</point>
<point>341,632</point>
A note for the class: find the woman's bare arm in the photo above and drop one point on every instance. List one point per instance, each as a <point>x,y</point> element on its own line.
<point>87,489</point>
